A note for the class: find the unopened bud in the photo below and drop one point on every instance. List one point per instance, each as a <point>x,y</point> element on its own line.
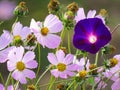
<point>73,7</point>
<point>92,67</point>
<point>109,49</point>
<point>53,6</point>
<point>21,9</point>
<point>103,12</point>
<point>113,62</point>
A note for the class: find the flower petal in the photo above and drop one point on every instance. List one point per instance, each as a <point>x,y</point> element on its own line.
<point>24,32</point>
<point>31,64</point>
<point>55,72</point>
<point>80,15</point>
<point>17,28</point>
<point>68,59</point>
<point>52,59</point>
<point>34,26</point>
<point>1,87</point>
<point>91,14</point>
<point>60,56</point>
<point>11,65</point>
<point>5,39</point>
<point>17,75</point>
<point>28,56</point>
<point>52,41</point>
<point>116,85</point>
<point>29,73</point>
<point>53,23</point>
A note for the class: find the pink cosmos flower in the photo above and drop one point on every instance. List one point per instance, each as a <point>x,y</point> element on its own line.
<point>20,63</point>
<point>20,32</point>
<point>5,40</point>
<point>45,32</point>
<point>91,14</point>
<point>6,9</point>
<point>63,64</point>
<point>81,65</point>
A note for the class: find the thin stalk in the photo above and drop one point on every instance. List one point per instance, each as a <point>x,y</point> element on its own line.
<point>51,84</point>
<point>2,79</point>
<point>38,60</point>
<point>70,85</point>
<point>14,24</point>
<point>42,76</point>
<point>16,85</point>
<point>62,36</point>
<point>8,79</point>
<point>69,49</point>
<point>55,82</point>
<point>96,58</point>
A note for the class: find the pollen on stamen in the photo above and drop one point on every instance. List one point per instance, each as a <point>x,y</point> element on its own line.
<point>92,39</point>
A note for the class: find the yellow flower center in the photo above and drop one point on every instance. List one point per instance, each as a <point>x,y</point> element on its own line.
<point>61,67</point>
<point>113,62</point>
<point>17,38</point>
<point>83,73</point>
<point>20,66</point>
<point>44,31</point>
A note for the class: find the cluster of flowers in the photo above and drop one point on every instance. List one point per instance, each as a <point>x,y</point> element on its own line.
<point>91,35</point>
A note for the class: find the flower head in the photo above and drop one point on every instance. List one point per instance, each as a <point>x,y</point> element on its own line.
<point>91,35</point>
<point>44,32</point>
<point>6,9</point>
<point>21,64</point>
<point>63,65</point>
<point>20,33</point>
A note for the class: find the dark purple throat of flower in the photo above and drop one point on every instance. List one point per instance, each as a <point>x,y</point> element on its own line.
<point>91,35</point>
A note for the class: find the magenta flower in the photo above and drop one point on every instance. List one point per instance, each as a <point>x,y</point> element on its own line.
<point>20,32</point>
<point>6,9</point>
<point>63,64</point>
<point>5,40</point>
<point>91,35</point>
<point>21,64</point>
<point>45,32</point>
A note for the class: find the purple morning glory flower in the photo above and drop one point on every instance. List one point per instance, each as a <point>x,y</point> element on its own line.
<point>91,35</point>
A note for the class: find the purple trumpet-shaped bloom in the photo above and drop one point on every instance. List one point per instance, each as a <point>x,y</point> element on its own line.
<point>91,35</point>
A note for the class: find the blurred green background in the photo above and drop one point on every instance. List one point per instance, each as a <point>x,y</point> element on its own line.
<point>38,10</point>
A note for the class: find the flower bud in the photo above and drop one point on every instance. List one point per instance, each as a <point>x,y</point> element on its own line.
<point>103,13</point>
<point>53,6</point>
<point>21,9</point>
<point>73,7</point>
<point>83,73</point>
<point>91,67</point>
<point>69,15</point>
<point>109,49</point>
<point>61,87</point>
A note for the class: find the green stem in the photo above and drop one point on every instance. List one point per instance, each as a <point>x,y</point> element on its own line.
<point>70,85</point>
<point>56,82</point>
<point>7,81</point>
<point>42,76</point>
<point>2,78</point>
<point>62,36</point>
<point>38,60</point>
<point>14,24</point>
<point>51,83</point>
<point>96,58</point>
<point>1,22</point>
<point>69,49</point>
<point>75,86</point>
<point>83,86</point>
<point>16,85</point>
